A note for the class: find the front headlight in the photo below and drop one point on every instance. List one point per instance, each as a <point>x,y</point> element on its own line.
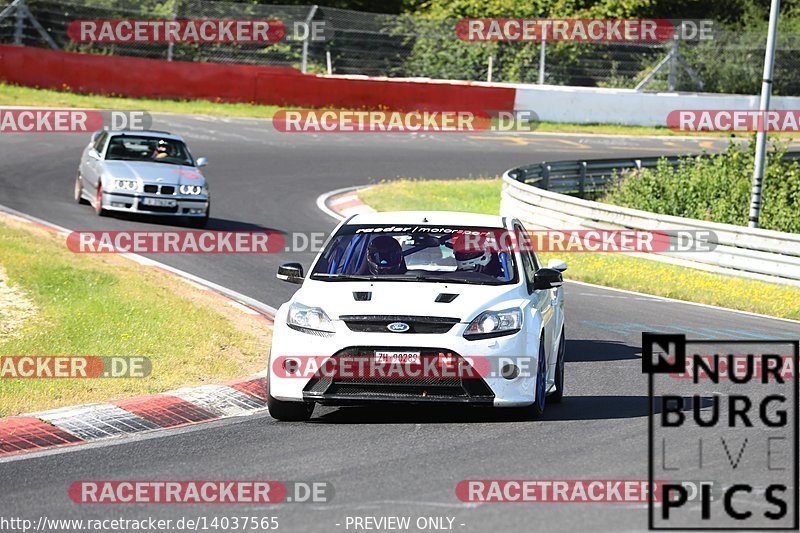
<point>126,185</point>
<point>309,319</point>
<point>494,324</point>
<point>191,189</point>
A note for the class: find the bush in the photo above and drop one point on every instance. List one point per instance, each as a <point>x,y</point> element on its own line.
<point>717,188</point>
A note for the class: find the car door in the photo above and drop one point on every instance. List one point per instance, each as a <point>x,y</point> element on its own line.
<point>543,301</point>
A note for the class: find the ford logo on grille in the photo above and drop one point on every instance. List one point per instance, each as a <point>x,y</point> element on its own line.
<point>398,327</point>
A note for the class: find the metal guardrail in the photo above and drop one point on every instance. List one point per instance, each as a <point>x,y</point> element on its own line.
<point>533,194</point>
<point>588,178</point>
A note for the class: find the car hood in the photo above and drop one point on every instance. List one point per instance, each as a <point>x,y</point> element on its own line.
<point>405,298</point>
<point>160,173</point>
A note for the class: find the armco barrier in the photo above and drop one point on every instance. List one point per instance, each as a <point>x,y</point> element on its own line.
<point>757,253</point>
<point>152,78</point>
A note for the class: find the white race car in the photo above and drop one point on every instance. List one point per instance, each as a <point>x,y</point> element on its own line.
<point>420,307</point>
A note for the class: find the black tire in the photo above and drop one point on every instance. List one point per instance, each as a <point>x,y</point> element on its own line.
<point>537,409</point>
<point>558,393</point>
<point>78,191</point>
<point>289,411</point>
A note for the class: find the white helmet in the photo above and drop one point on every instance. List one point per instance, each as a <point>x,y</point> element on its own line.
<point>476,260</point>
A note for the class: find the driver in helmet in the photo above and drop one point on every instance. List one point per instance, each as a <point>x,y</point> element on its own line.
<point>475,259</point>
<point>385,256</point>
<point>161,150</point>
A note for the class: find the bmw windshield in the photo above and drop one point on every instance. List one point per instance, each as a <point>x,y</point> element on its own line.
<point>415,253</point>
<point>151,149</point>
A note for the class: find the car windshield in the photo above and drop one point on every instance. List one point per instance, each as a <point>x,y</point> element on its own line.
<point>152,149</point>
<point>414,253</point>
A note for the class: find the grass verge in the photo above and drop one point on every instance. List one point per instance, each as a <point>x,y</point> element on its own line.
<point>28,96</point>
<point>611,270</point>
<point>107,305</point>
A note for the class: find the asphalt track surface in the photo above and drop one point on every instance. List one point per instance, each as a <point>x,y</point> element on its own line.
<point>381,460</point>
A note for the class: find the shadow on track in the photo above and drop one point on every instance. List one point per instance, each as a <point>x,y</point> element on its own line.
<point>572,408</point>
<point>587,351</point>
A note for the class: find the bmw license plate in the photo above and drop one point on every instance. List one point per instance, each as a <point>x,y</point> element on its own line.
<point>406,358</point>
<point>159,202</point>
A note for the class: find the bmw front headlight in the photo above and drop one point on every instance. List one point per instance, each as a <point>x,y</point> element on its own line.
<point>309,319</point>
<point>191,189</point>
<point>494,324</point>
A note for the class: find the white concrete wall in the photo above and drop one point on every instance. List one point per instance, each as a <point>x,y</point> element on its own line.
<point>586,105</point>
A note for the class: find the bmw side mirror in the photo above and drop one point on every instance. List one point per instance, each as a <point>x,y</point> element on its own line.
<point>201,162</point>
<point>291,272</point>
<point>557,264</point>
<point>547,278</point>
<point>94,154</point>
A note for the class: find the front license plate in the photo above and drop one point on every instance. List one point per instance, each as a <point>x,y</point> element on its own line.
<point>406,358</point>
<point>159,202</point>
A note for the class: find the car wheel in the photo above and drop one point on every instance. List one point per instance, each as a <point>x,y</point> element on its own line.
<point>558,394</point>
<point>289,411</point>
<point>98,201</point>
<point>78,194</point>
<point>541,380</point>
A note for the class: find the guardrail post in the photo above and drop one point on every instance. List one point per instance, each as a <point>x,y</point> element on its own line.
<point>304,58</point>
<point>582,180</point>
<point>19,24</point>
<point>171,44</point>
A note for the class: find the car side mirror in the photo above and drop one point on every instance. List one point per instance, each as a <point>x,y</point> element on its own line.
<point>547,278</point>
<point>94,154</point>
<point>201,162</point>
<point>557,264</point>
<point>291,272</point>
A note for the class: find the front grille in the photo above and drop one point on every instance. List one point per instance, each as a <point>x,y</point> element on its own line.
<point>416,324</point>
<point>165,189</point>
<point>345,388</point>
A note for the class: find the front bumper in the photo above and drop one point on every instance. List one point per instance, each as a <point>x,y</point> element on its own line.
<point>185,206</point>
<point>488,388</point>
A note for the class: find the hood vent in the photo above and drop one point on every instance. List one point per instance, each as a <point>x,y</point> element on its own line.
<point>445,298</point>
<point>362,296</point>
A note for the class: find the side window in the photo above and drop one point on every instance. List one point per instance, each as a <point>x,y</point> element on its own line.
<point>100,142</point>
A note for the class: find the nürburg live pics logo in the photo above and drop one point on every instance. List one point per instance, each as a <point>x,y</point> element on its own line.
<point>724,416</point>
